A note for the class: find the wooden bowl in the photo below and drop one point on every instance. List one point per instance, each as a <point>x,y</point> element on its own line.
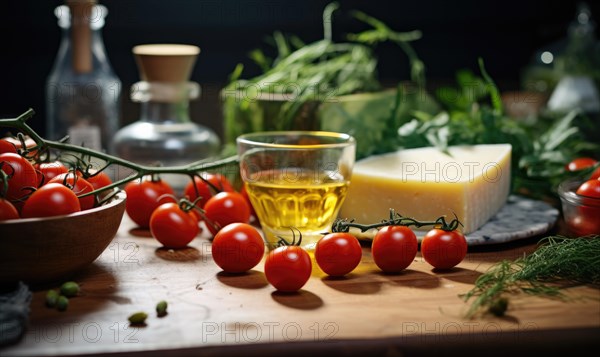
<point>45,250</point>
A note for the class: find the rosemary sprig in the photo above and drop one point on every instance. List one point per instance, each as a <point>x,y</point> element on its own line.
<point>557,263</point>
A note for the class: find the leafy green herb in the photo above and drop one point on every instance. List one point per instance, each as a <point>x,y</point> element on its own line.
<point>558,262</point>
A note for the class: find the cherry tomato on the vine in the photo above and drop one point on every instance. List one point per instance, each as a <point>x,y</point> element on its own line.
<point>80,186</point>
<point>199,188</point>
<point>49,170</point>
<point>172,226</point>
<point>237,248</point>
<point>99,179</point>
<point>7,210</point>
<point>144,197</point>
<point>443,249</point>
<point>52,199</point>
<point>244,193</point>
<point>7,146</point>
<point>394,248</point>
<point>288,268</point>
<point>338,254</point>
<point>225,208</point>
<point>22,177</point>
<point>29,143</point>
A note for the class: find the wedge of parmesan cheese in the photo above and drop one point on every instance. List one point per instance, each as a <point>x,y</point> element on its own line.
<point>472,182</point>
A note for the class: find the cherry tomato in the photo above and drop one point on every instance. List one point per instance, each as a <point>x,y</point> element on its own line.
<point>7,146</point>
<point>143,199</point>
<point>337,254</point>
<point>580,163</point>
<point>237,248</point>
<point>204,190</point>
<point>244,193</point>
<point>288,268</point>
<point>394,248</point>
<point>172,226</point>
<point>80,186</point>
<point>583,163</point>
<point>225,208</point>
<point>99,180</point>
<point>585,221</point>
<point>590,188</point>
<point>22,177</point>
<point>443,249</point>
<point>29,143</point>
<point>7,210</point>
<point>52,199</point>
<point>49,170</point>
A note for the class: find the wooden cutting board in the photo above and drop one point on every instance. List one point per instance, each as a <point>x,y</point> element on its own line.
<point>230,314</point>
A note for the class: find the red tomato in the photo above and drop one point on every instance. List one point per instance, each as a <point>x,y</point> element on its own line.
<point>80,186</point>
<point>7,146</point>
<point>590,188</point>
<point>172,226</point>
<point>288,268</point>
<point>99,180</point>
<point>22,177</point>
<point>585,221</point>
<point>337,254</point>
<point>7,210</point>
<point>394,248</point>
<point>52,199</point>
<point>225,208</point>
<point>29,143</point>
<point>244,193</point>
<point>581,163</point>
<point>199,188</point>
<point>237,248</point>
<point>143,199</point>
<point>49,170</point>
<point>443,249</point>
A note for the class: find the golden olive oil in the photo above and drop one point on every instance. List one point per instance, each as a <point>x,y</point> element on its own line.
<point>306,202</point>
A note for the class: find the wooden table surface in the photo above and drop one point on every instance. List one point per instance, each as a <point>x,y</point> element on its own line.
<point>416,312</point>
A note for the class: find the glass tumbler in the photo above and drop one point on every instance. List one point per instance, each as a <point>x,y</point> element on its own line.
<point>296,181</point>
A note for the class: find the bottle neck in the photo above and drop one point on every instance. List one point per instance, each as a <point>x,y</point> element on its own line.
<point>82,45</point>
<point>161,112</point>
<point>164,102</point>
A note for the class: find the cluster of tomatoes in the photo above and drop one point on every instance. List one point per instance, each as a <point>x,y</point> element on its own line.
<point>29,188</point>
<point>587,218</point>
<point>152,204</point>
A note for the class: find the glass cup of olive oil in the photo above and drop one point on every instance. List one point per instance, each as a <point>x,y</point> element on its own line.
<point>296,181</point>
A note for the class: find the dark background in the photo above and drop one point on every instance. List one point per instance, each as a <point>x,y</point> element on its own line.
<point>455,33</point>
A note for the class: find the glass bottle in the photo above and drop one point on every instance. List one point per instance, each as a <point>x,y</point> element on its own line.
<point>164,134</point>
<point>82,91</point>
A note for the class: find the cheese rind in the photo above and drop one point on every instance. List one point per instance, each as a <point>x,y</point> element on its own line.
<point>473,183</point>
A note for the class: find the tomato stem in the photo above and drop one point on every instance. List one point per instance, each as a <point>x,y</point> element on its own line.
<point>43,145</point>
<point>396,219</point>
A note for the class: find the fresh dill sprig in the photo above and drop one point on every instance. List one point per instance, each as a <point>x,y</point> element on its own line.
<point>558,262</point>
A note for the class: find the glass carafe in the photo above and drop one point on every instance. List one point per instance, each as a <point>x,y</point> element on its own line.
<point>164,134</point>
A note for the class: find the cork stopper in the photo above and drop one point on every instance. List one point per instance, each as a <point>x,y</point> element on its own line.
<point>171,63</point>
<point>81,35</point>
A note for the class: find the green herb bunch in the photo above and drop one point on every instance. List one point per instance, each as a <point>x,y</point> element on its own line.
<point>558,262</point>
